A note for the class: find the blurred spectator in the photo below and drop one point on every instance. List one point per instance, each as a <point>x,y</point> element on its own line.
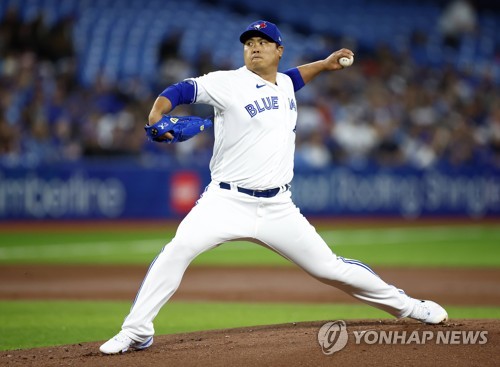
<point>356,138</point>
<point>169,46</point>
<point>488,135</point>
<point>309,120</point>
<point>313,152</point>
<point>60,45</point>
<point>9,143</point>
<point>37,144</point>
<point>172,67</point>
<point>10,31</point>
<point>394,108</point>
<point>458,19</point>
<point>67,143</point>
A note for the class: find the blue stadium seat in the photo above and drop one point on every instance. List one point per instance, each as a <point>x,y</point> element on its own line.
<point>117,34</point>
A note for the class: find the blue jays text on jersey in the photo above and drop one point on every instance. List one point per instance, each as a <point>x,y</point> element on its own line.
<point>267,103</point>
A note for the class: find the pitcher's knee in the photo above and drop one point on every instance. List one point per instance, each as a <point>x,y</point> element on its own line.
<point>178,251</point>
<point>181,249</point>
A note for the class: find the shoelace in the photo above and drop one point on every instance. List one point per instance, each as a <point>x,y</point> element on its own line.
<point>122,338</point>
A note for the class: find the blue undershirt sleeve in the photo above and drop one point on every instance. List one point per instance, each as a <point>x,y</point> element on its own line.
<point>297,80</point>
<point>180,93</point>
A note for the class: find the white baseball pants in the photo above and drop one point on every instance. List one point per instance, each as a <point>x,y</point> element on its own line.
<point>223,215</point>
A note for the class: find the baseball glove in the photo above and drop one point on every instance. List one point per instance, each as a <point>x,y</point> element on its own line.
<point>182,128</point>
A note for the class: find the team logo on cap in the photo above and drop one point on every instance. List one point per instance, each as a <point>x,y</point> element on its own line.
<point>260,25</point>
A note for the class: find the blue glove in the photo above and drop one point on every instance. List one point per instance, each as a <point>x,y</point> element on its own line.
<point>182,128</point>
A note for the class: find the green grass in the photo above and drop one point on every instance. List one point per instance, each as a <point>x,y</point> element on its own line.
<point>47,323</point>
<point>40,323</point>
<point>472,245</point>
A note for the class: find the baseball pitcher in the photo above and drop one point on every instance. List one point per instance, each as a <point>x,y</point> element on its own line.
<point>249,197</point>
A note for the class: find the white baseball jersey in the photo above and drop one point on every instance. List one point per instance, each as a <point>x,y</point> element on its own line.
<point>254,127</point>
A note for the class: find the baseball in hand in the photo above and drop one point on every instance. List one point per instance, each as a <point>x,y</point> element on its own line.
<point>346,61</point>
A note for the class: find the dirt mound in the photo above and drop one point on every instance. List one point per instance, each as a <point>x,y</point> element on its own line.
<point>293,345</point>
<point>273,345</point>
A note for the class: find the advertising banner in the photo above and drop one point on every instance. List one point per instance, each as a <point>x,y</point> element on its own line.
<point>129,191</point>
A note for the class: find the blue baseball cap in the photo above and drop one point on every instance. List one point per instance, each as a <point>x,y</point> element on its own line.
<point>264,29</point>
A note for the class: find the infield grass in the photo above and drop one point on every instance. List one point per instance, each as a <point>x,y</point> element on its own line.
<point>48,323</point>
<point>468,245</point>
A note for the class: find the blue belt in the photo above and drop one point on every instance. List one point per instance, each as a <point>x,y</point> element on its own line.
<point>257,193</point>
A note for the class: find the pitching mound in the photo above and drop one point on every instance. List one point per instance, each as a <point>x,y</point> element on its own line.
<point>369,343</point>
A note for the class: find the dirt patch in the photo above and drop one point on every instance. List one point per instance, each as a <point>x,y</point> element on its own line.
<point>286,345</point>
<point>450,286</point>
<point>273,345</point>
